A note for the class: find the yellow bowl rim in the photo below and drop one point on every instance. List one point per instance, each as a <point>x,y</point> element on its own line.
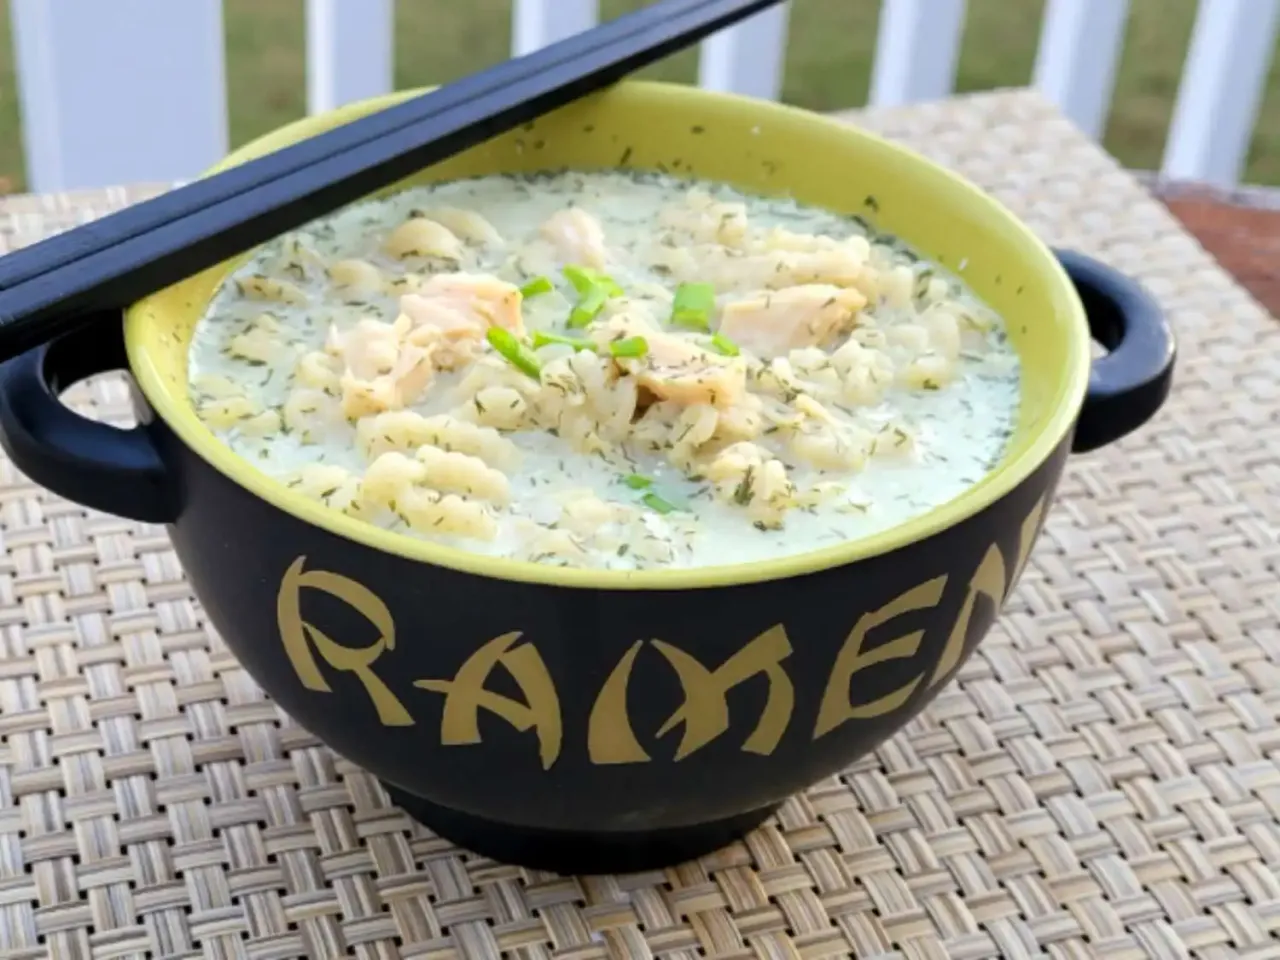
<point>178,414</point>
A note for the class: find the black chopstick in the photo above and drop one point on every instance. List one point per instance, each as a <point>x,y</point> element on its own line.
<point>46,305</point>
<point>140,218</point>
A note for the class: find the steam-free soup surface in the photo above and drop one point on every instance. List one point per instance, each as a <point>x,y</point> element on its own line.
<point>606,370</point>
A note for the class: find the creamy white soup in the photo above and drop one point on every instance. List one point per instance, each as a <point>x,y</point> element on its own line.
<point>607,370</point>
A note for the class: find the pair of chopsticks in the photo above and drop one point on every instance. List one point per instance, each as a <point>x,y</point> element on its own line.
<point>96,270</point>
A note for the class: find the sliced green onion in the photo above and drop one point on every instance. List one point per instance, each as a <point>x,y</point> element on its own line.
<point>541,339</point>
<point>657,504</point>
<point>581,278</point>
<point>584,280</point>
<point>723,345</point>
<point>629,347</point>
<point>515,352</point>
<point>637,481</point>
<point>594,289</point>
<point>693,305</point>
<point>587,309</point>
<point>536,287</point>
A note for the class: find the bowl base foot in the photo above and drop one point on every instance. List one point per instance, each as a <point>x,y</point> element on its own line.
<point>570,852</point>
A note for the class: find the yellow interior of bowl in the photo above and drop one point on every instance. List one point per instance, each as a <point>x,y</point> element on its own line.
<point>760,147</point>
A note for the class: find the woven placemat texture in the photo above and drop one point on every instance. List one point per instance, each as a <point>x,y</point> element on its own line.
<point>1102,780</point>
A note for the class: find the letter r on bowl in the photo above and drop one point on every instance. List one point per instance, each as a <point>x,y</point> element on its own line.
<point>302,640</point>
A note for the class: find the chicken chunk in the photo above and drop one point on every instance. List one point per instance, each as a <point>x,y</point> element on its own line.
<point>577,237</point>
<point>675,367</point>
<point>381,370</point>
<point>773,324</point>
<point>387,366</point>
<point>370,348</point>
<point>465,305</point>
<point>451,313</point>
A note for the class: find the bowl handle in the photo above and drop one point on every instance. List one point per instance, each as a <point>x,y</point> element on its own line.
<point>118,471</point>
<point>1130,383</point>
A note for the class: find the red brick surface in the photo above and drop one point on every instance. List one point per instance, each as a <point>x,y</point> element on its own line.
<point>1244,240</point>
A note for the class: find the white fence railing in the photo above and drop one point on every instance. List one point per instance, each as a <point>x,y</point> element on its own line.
<point>113,91</point>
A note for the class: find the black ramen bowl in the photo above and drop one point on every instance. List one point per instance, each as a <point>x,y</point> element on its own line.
<point>585,721</point>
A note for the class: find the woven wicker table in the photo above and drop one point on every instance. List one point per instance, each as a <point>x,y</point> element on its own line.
<point>1102,780</point>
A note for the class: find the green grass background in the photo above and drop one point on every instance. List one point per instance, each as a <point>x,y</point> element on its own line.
<point>828,64</point>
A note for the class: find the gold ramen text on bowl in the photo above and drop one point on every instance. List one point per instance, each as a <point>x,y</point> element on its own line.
<point>703,711</point>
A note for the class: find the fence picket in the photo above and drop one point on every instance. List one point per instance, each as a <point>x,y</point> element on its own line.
<point>1080,44</point>
<point>748,58</point>
<point>1221,90</point>
<point>917,47</point>
<point>536,23</point>
<point>119,92</point>
<point>350,54</point>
